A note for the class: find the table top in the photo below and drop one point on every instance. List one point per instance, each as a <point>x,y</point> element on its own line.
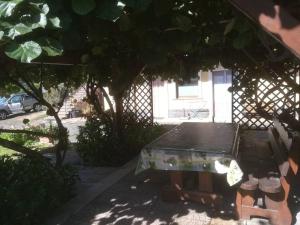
<point>215,138</point>
<point>210,147</point>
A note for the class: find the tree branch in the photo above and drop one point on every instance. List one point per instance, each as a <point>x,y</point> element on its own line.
<point>19,148</point>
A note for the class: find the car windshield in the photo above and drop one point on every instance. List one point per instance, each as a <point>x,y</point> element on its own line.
<point>2,100</point>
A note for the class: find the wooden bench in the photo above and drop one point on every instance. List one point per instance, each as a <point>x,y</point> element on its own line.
<point>268,178</point>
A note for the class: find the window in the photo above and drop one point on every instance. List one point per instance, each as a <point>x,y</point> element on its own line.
<point>27,98</point>
<point>16,99</point>
<point>222,77</point>
<point>187,88</point>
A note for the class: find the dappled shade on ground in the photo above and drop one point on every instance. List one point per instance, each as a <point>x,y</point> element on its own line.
<point>136,200</point>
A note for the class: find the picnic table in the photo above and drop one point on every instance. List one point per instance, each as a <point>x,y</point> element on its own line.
<point>203,147</point>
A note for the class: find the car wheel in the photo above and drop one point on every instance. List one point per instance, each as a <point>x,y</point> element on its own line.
<point>37,107</point>
<point>3,115</point>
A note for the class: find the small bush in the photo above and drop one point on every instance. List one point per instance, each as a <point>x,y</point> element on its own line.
<point>31,141</point>
<point>98,145</point>
<point>21,139</point>
<point>30,189</point>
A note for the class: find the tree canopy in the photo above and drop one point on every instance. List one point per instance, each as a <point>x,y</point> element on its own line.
<point>118,40</point>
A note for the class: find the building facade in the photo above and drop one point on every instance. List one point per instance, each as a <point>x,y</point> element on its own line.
<point>205,98</point>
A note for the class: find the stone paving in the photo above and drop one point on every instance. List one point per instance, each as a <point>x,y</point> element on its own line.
<point>136,200</point>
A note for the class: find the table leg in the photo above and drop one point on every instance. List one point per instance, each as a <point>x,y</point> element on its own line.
<point>205,182</point>
<point>204,194</point>
<point>174,191</point>
<point>176,180</point>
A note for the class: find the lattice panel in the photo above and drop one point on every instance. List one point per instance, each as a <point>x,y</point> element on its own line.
<point>272,97</point>
<point>139,101</point>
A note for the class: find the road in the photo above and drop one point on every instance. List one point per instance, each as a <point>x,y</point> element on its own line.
<point>38,118</point>
<point>16,121</point>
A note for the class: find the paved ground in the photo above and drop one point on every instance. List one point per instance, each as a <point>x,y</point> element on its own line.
<point>136,200</point>
<point>16,121</point>
<point>37,118</point>
<point>91,175</point>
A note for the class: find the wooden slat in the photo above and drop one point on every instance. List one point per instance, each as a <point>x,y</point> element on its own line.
<point>280,153</point>
<point>294,155</point>
<point>283,133</point>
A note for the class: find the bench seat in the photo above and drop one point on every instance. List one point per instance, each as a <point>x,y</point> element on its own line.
<point>267,174</point>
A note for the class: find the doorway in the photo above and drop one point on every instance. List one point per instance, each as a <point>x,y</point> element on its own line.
<point>222,98</point>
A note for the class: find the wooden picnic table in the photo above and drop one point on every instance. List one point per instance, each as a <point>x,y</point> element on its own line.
<point>203,147</point>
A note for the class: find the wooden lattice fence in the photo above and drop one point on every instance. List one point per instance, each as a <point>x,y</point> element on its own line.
<point>272,96</point>
<point>138,102</point>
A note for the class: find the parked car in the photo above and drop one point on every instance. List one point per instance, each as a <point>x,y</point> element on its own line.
<point>2,100</point>
<point>19,103</point>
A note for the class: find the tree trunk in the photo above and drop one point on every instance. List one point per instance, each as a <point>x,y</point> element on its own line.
<point>63,141</point>
<point>118,123</point>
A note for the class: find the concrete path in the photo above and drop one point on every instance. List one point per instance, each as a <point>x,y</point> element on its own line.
<point>92,185</point>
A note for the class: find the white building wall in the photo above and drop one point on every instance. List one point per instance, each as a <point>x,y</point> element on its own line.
<point>160,98</point>
<point>169,108</point>
<point>206,90</point>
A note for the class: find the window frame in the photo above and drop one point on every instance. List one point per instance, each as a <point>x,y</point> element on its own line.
<point>188,85</point>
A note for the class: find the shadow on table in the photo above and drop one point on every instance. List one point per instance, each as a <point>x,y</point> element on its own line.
<point>136,200</point>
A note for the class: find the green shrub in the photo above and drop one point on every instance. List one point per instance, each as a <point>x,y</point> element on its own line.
<point>30,189</point>
<point>21,139</point>
<point>31,141</point>
<point>98,145</point>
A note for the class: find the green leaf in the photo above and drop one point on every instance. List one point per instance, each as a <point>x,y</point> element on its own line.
<point>65,21</point>
<point>125,23</point>
<point>242,40</point>
<point>229,26</point>
<point>7,7</point>
<point>51,46</point>
<point>155,57</point>
<point>55,22</point>
<point>182,22</point>
<point>97,50</point>
<point>18,29</point>
<point>72,40</point>
<point>56,6</point>
<point>42,21</point>
<point>83,7</point>
<point>85,58</point>
<point>162,7</point>
<point>137,4</point>
<point>109,10</point>
<point>5,25</point>
<point>43,8</point>
<point>24,52</point>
